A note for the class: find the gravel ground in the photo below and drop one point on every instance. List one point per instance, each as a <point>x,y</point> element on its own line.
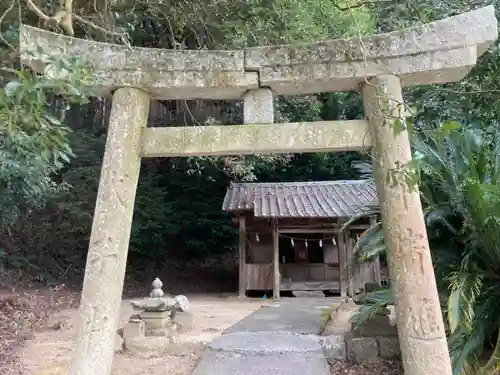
<point>21,314</point>
<point>378,367</point>
<point>48,351</point>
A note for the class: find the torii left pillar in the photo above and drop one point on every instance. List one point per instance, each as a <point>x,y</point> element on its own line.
<point>109,241</point>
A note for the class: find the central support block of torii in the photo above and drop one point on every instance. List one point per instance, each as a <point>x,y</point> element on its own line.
<point>438,52</point>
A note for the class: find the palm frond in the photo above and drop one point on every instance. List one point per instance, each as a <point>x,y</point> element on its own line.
<point>361,214</point>
<point>467,344</point>
<point>440,215</point>
<point>364,169</point>
<point>368,248</point>
<point>465,287</point>
<point>374,303</point>
<point>463,346</point>
<point>460,191</point>
<point>495,160</point>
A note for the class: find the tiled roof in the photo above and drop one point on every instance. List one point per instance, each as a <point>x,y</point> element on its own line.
<point>301,199</point>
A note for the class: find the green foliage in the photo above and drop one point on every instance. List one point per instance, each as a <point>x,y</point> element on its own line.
<point>32,135</point>
<point>389,16</point>
<point>459,190</point>
<point>460,187</point>
<point>289,21</point>
<point>374,302</point>
<point>236,24</point>
<point>298,108</point>
<point>465,169</point>
<point>473,100</point>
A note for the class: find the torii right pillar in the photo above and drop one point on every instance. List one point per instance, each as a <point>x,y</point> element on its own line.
<point>422,336</point>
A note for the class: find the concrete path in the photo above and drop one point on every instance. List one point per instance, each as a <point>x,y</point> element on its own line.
<point>277,339</point>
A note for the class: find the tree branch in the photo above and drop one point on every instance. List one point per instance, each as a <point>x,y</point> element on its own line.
<point>92,25</point>
<point>1,21</point>
<point>66,22</point>
<point>96,27</point>
<point>62,18</point>
<point>31,6</point>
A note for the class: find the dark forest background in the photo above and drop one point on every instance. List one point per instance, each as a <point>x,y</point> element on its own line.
<point>179,230</point>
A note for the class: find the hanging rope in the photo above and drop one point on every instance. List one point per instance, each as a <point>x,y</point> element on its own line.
<point>257,237</point>
<point>322,240</point>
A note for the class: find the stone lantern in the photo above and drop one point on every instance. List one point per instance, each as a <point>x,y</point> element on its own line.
<point>157,322</point>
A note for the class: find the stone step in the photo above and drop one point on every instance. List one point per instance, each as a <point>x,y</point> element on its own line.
<point>228,363</point>
<point>263,353</point>
<point>265,343</point>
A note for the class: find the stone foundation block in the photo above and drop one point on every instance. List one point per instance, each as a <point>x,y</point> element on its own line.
<point>389,347</point>
<point>334,347</point>
<point>148,346</point>
<point>371,287</point>
<point>157,323</point>
<point>380,325</point>
<point>155,315</point>
<point>313,293</point>
<point>170,331</point>
<point>134,317</point>
<point>135,328</point>
<point>362,349</point>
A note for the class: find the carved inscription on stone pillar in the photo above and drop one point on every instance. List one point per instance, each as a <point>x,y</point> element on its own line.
<point>412,250</point>
<point>425,322</point>
<point>98,260</point>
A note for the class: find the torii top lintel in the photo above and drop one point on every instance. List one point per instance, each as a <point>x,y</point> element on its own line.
<point>437,52</point>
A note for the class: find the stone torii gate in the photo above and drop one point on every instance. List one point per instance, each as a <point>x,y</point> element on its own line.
<point>379,66</point>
